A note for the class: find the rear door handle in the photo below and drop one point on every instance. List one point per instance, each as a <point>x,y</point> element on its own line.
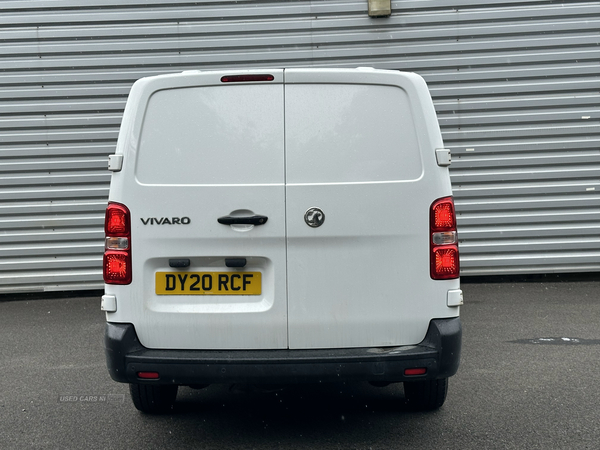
<point>248,220</point>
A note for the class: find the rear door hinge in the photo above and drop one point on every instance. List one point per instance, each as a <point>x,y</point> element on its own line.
<point>115,163</point>
<point>443,156</point>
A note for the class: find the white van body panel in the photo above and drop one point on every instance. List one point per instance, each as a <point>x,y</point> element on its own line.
<point>359,144</point>
<point>354,147</point>
<point>183,135</point>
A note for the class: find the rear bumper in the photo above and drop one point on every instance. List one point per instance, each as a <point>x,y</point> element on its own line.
<point>439,353</point>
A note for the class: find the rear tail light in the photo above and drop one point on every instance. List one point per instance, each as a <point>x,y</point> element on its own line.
<point>116,266</point>
<point>444,258</point>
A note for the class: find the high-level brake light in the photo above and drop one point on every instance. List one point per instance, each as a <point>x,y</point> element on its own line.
<point>116,266</point>
<point>444,259</point>
<point>246,78</point>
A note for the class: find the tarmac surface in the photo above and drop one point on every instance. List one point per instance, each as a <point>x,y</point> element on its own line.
<point>529,379</point>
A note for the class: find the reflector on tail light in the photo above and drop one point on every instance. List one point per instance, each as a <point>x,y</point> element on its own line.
<point>148,375</point>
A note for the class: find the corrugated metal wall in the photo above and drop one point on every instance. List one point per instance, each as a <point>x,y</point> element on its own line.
<point>515,83</point>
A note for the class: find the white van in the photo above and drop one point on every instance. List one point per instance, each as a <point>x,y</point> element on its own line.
<point>281,226</point>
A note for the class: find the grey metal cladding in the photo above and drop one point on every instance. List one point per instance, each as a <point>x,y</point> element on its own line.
<point>515,84</point>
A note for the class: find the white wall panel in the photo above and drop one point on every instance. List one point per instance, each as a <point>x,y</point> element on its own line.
<point>515,84</point>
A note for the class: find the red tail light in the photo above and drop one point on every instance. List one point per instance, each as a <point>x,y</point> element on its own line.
<point>116,221</point>
<point>442,217</point>
<point>116,266</point>
<point>444,261</point>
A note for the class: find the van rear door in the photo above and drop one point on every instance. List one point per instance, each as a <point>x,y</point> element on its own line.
<point>352,151</point>
<point>352,147</point>
<point>210,150</point>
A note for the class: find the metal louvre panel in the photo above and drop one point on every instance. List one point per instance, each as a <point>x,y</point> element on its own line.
<point>515,85</point>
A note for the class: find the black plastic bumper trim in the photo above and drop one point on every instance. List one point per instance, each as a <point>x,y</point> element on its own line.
<point>439,352</point>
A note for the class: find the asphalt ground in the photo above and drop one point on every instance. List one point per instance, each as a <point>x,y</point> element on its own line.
<point>529,379</point>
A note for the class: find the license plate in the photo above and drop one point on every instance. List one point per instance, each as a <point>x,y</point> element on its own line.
<point>208,283</point>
